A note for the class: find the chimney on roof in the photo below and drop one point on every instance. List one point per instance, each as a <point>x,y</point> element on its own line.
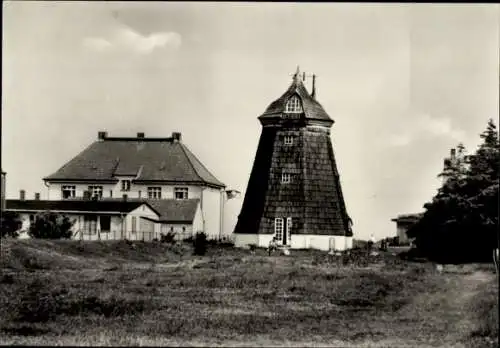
<point>176,136</point>
<point>452,153</point>
<point>313,94</point>
<point>102,135</point>
<point>125,197</point>
<point>22,195</point>
<point>37,196</point>
<point>140,135</point>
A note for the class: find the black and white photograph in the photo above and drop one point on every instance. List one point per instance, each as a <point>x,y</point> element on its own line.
<point>250,174</point>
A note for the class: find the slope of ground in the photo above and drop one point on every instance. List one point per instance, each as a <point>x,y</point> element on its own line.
<point>122,293</point>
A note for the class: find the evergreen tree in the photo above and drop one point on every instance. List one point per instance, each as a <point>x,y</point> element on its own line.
<point>460,223</point>
<point>482,191</point>
<point>437,232</point>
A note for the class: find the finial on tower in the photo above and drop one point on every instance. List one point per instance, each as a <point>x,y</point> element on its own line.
<point>296,77</point>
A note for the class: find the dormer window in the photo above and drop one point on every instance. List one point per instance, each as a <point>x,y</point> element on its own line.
<point>288,140</point>
<point>125,185</point>
<point>293,105</point>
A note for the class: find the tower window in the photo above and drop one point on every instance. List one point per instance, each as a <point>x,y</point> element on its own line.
<point>293,105</point>
<point>285,178</point>
<point>288,140</point>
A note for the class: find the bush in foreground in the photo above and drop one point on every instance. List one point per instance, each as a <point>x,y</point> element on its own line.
<point>49,225</point>
<point>11,223</point>
<point>200,243</point>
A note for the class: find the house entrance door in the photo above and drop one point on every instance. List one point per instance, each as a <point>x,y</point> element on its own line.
<point>285,234</point>
<point>287,231</point>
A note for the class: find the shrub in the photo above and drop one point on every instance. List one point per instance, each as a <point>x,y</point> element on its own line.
<point>168,238</point>
<point>49,225</point>
<point>200,243</point>
<point>11,224</point>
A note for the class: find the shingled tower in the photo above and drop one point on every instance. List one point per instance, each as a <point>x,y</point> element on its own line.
<point>294,191</point>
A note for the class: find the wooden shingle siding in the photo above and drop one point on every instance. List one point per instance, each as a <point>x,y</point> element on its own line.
<point>313,197</point>
<point>253,203</point>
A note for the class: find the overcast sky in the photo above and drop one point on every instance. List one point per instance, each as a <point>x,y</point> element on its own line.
<point>403,82</point>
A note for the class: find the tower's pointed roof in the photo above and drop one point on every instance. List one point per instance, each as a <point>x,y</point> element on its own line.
<point>312,109</point>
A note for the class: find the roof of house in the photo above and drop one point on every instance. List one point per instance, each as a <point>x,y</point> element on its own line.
<point>145,159</point>
<point>169,210</point>
<point>77,205</point>
<point>311,107</point>
<point>176,210</point>
<point>408,217</point>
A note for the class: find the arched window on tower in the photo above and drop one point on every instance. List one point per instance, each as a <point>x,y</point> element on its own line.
<point>293,105</point>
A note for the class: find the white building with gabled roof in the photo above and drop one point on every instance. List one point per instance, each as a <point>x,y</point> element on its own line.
<point>160,171</point>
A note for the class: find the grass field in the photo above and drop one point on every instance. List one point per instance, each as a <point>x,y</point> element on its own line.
<point>118,293</point>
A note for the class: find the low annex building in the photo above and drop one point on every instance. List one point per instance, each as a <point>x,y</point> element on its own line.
<point>403,224</point>
<point>94,220</point>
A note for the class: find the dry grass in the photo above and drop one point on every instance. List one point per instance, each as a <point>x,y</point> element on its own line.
<point>150,294</point>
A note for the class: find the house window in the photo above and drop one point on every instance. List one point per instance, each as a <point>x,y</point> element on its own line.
<point>90,224</point>
<point>125,185</point>
<point>278,229</point>
<point>288,229</point>
<point>181,193</point>
<point>293,105</point>
<point>134,224</point>
<point>285,178</point>
<point>288,140</point>
<point>154,192</point>
<point>95,191</point>
<point>68,191</point>
<point>105,221</point>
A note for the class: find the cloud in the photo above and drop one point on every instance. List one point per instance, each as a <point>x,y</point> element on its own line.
<point>440,127</point>
<point>125,38</point>
<point>425,125</point>
<point>399,140</point>
<point>96,43</point>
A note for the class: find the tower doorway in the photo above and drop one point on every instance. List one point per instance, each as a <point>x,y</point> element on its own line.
<point>282,230</point>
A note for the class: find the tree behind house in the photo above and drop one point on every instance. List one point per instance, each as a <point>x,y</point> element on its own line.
<point>49,225</point>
